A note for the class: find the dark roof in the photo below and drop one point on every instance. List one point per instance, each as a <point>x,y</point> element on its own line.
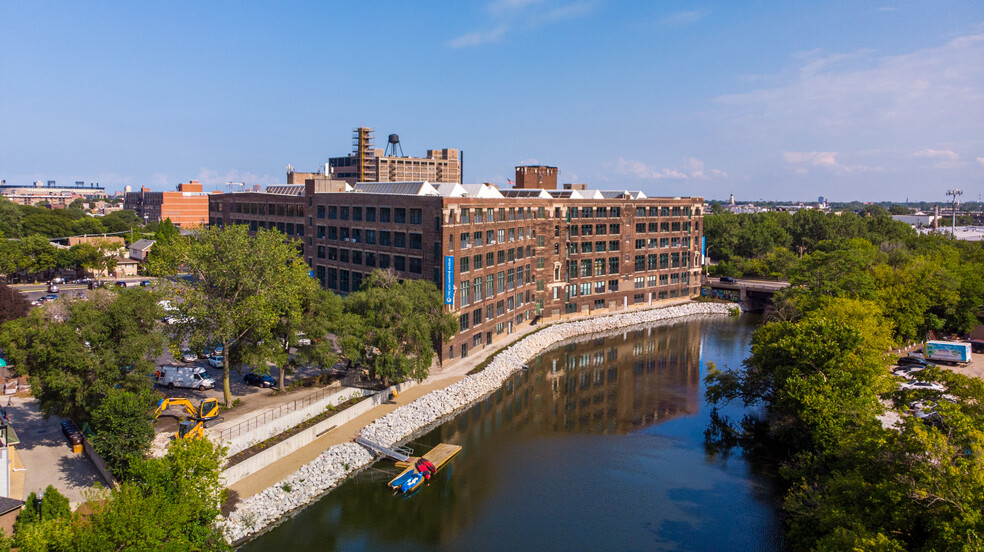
<point>8,504</point>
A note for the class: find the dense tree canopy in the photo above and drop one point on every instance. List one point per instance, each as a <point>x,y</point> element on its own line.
<point>397,326</point>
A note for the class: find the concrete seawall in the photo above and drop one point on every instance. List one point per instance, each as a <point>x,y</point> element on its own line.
<point>326,471</point>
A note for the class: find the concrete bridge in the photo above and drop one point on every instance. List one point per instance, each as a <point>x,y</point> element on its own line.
<point>754,295</point>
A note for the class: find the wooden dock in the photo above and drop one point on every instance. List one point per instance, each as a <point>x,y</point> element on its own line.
<point>439,456</point>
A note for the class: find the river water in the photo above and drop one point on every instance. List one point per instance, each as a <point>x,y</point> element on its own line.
<point>597,446</point>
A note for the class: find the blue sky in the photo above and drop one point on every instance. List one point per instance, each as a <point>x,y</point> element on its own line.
<point>768,100</point>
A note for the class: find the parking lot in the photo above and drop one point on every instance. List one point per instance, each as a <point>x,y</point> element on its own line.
<point>46,454</point>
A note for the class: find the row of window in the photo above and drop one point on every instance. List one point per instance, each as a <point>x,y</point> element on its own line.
<point>653,227</point>
<point>288,228</point>
<point>370,259</point>
<point>478,215</point>
<point>640,282</point>
<point>491,237</point>
<point>492,258</point>
<point>591,229</point>
<point>661,261</point>
<point>481,288</point>
<point>369,236</point>
<point>491,311</point>
<point>396,215</point>
<point>653,243</point>
<point>654,211</point>
<point>272,209</point>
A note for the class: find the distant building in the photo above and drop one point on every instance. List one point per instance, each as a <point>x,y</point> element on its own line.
<point>538,176</point>
<point>50,193</point>
<point>188,206</point>
<point>918,220</point>
<point>368,164</point>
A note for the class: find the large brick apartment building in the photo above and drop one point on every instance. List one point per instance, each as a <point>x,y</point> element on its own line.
<point>501,258</point>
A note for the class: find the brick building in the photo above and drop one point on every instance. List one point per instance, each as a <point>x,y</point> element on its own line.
<point>369,164</point>
<point>500,257</point>
<point>188,206</point>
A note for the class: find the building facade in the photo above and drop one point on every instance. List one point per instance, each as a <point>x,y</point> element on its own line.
<point>500,258</point>
<point>188,206</point>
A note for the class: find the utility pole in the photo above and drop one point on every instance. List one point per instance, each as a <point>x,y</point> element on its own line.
<point>953,224</point>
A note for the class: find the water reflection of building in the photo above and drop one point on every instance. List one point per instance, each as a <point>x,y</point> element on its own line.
<point>612,384</point>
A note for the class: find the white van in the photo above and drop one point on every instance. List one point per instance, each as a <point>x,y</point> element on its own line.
<point>193,377</point>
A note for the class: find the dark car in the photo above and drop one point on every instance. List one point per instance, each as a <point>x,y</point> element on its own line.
<point>144,283</point>
<point>120,284</point>
<point>915,361</point>
<point>94,285</point>
<point>259,380</point>
<point>50,297</point>
<point>728,280</point>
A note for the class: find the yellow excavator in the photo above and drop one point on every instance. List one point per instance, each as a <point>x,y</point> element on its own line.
<point>205,415</point>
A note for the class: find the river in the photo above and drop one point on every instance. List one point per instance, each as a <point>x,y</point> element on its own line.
<point>597,446</point>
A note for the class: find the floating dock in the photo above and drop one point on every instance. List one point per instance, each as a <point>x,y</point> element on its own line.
<point>439,456</point>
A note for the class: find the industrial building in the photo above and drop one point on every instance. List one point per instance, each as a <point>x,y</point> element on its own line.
<point>50,193</point>
<point>188,206</point>
<point>366,163</point>
<point>501,257</point>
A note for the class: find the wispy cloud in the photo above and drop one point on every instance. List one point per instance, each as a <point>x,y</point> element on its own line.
<point>980,161</point>
<point>477,38</point>
<point>691,168</point>
<point>681,18</point>
<point>507,15</point>
<point>875,111</point>
<point>945,154</point>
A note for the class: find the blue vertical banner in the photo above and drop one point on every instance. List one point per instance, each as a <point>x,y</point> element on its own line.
<point>448,279</point>
<point>703,250</point>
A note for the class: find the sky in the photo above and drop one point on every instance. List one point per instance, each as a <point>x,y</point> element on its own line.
<point>853,100</point>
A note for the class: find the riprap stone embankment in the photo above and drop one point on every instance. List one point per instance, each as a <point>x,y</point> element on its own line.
<point>326,471</point>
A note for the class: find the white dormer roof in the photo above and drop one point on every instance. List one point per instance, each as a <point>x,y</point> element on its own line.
<point>483,190</point>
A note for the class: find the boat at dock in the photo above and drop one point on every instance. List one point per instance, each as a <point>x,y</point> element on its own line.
<point>413,476</point>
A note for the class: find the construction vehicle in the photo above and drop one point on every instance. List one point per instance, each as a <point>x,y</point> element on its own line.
<point>204,416</point>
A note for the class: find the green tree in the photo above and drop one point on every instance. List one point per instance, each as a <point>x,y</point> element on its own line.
<point>121,221</point>
<point>76,352</point>
<point>123,427</point>
<point>241,285</point>
<point>41,254</point>
<point>11,218</point>
<point>88,225</point>
<point>398,326</point>
<point>305,311</point>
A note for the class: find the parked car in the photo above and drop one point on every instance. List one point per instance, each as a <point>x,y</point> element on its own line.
<point>923,385</point>
<point>188,356</point>
<point>82,281</point>
<point>303,339</point>
<point>94,285</point>
<point>908,371</point>
<point>728,280</point>
<point>144,283</point>
<point>205,353</point>
<point>914,361</point>
<point>50,297</point>
<point>259,380</point>
<point>57,280</point>
<point>122,284</point>
<point>52,288</point>
<point>215,361</point>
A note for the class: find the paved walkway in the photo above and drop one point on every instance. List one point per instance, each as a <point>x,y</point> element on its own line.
<point>439,379</point>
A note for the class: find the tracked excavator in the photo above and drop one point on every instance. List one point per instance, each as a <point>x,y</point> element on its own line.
<point>205,415</point>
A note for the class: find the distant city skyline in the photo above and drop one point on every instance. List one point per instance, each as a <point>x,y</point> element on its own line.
<point>846,100</point>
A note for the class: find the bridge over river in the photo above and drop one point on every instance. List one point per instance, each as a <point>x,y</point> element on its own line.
<point>754,295</point>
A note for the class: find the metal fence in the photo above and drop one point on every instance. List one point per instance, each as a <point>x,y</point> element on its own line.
<point>246,426</point>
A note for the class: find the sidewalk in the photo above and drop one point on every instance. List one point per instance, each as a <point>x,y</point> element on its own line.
<point>439,379</point>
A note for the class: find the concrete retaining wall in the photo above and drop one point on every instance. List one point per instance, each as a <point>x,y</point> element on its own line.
<point>282,424</point>
<point>266,457</point>
<point>99,463</point>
